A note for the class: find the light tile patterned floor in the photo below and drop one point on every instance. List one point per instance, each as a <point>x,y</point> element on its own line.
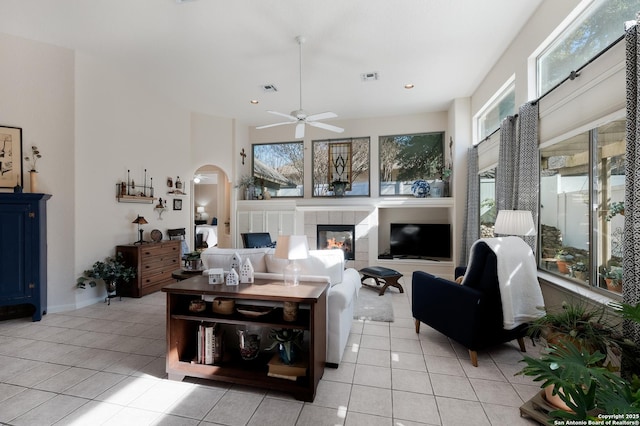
<point>104,365</point>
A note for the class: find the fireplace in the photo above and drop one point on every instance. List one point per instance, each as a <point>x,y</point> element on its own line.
<point>338,237</point>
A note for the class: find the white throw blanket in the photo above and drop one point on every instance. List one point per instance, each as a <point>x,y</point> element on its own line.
<point>518,279</point>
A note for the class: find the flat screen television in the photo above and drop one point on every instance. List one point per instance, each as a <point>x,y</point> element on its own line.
<point>420,241</point>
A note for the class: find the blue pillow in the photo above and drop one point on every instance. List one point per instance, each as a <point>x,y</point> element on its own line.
<point>214,221</point>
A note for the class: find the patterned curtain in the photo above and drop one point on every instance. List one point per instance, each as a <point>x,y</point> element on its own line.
<point>518,172</point>
<point>472,212</point>
<point>527,173</point>
<point>507,159</point>
<point>631,239</point>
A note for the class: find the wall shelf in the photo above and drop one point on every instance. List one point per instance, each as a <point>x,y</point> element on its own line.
<point>135,199</point>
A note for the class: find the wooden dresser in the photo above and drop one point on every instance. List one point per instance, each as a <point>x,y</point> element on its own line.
<point>154,263</point>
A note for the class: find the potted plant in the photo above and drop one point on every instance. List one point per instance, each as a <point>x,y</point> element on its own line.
<point>616,208</point>
<point>112,270</point>
<point>192,260</point>
<point>613,278</point>
<point>582,382</point>
<point>580,270</point>
<point>576,327</point>
<point>288,342</point>
<point>562,261</point>
<point>247,183</point>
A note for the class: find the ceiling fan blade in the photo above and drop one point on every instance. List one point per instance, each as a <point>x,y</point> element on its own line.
<point>274,124</point>
<point>289,116</point>
<point>326,126</point>
<point>322,116</point>
<point>300,130</point>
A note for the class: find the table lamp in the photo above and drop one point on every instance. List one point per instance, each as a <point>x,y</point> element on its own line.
<point>514,222</point>
<point>200,211</point>
<point>140,220</point>
<point>292,247</point>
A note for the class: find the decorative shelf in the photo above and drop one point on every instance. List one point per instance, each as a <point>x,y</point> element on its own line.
<point>135,199</point>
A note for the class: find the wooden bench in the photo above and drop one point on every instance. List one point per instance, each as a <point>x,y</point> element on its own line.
<point>382,276</point>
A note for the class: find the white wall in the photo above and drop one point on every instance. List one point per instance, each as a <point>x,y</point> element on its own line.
<point>37,94</point>
<point>120,126</point>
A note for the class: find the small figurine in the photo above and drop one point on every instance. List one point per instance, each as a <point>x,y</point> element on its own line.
<point>232,277</point>
<point>235,263</point>
<point>246,272</point>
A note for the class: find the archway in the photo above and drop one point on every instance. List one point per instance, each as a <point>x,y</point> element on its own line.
<point>211,207</point>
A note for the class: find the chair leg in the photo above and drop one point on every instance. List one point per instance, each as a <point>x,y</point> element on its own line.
<point>474,357</point>
<point>521,343</point>
<point>417,322</point>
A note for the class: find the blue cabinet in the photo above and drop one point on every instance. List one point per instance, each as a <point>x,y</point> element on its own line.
<point>23,251</point>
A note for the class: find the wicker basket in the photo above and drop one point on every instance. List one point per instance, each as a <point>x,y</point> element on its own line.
<point>223,305</point>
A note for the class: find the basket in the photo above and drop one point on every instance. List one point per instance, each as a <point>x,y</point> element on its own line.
<point>223,305</point>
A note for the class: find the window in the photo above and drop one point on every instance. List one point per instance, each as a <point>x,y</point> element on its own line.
<point>279,168</point>
<point>577,242</point>
<point>407,158</point>
<point>503,104</point>
<point>341,164</point>
<point>597,27</point>
<point>488,209</point>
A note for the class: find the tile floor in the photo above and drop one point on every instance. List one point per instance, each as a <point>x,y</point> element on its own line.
<point>104,365</point>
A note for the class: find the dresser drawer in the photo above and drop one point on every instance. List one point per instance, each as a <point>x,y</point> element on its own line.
<point>154,263</point>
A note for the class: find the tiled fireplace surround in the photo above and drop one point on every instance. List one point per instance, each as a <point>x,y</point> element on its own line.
<point>361,218</point>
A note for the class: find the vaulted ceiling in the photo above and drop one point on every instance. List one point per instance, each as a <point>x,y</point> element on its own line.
<point>214,56</point>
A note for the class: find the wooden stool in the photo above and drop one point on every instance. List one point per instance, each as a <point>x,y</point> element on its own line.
<point>380,275</point>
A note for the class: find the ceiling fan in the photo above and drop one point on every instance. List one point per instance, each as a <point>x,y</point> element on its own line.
<point>300,117</point>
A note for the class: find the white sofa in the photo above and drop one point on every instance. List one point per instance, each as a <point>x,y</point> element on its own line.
<point>326,265</point>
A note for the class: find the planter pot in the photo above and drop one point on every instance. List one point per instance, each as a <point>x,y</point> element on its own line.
<point>563,266</point>
<point>613,285</point>
<point>555,400</point>
<point>581,275</point>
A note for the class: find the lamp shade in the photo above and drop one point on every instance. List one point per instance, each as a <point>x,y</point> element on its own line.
<point>140,220</point>
<point>200,209</point>
<point>292,247</point>
<point>514,222</point>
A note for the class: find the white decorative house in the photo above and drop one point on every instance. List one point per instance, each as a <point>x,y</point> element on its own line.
<point>246,272</point>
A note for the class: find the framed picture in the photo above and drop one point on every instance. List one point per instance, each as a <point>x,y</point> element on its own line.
<point>10,157</point>
<point>177,204</point>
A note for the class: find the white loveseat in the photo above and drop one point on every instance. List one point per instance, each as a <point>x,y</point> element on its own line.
<point>324,264</point>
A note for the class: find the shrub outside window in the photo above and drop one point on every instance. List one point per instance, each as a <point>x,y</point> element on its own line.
<point>600,25</point>
<point>407,158</point>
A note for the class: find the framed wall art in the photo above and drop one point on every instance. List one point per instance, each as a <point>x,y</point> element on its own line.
<point>10,156</point>
<point>177,204</point>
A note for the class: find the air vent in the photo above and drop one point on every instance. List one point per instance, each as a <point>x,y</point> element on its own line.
<point>369,76</point>
<point>183,1</point>
<point>269,88</point>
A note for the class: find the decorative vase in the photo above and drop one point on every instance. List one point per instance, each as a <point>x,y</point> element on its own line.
<point>420,188</point>
<point>33,181</point>
<point>249,345</point>
<point>287,355</point>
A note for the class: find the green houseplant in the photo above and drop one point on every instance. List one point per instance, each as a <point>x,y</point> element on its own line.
<point>288,342</point>
<point>574,366</point>
<point>112,270</point>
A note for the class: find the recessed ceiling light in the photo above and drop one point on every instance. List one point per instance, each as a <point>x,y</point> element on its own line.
<point>254,101</point>
<point>408,86</point>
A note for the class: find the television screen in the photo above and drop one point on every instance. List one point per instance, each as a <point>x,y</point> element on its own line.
<point>421,241</point>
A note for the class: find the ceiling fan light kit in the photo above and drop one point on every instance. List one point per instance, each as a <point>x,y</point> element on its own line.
<point>300,117</point>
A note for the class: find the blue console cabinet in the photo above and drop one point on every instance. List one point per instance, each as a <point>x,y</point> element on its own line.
<point>23,251</point>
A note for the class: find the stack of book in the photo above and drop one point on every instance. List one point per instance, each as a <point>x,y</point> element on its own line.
<point>209,344</point>
<point>279,369</point>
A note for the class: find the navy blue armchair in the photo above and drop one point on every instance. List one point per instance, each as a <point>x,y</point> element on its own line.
<point>470,314</point>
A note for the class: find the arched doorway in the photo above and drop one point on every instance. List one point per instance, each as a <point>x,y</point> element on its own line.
<point>211,207</point>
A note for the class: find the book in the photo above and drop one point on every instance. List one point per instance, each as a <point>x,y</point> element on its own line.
<point>209,347</point>
<point>283,376</point>
<point>278,368</point>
